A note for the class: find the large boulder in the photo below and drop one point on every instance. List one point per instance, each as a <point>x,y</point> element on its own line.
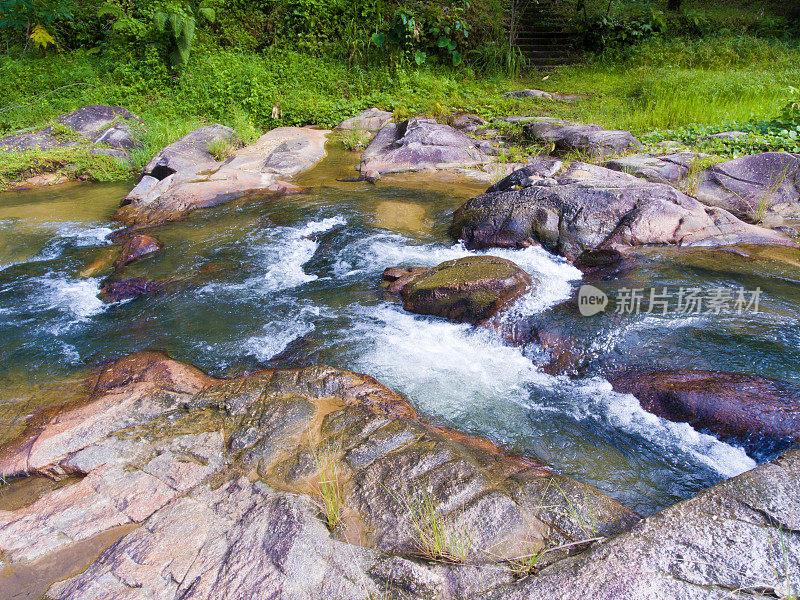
<point>725,403</point>
<point>226,479</point>
<point>422,144</point>
<point>740,538</point>
<point>372,120</point>
<point>184,176</point>
<point>754,186</point>
<point>671,169</point>
<point>592,140</point>
<point>471,289</point>
<point>590,207</point>
<point>106,127</point>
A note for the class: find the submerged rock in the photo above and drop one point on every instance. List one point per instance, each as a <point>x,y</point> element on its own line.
<point>471,289</point>
<point>754,187</point>
<point>117,290</point>
<point>725,403</point>
<point>185,176</point>
<point>570,137</point>
<point>204,465</point>
<point>420,144</point>
<point>137,246</point>
<point>743,534</point>
<point>589,207</point>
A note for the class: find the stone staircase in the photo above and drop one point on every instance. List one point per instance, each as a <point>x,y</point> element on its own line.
<point>543,36</point>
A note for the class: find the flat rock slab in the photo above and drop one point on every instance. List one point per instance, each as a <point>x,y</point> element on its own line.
<point>185,176</point>
<point>589,207</point>
<point>725,403</point>
<point>570,137</point>
<point>741,535</point>
<point>372,120</point>
<point>108,127</point>
<point>670,168</point>
<point>754,186</point>
<point>422,144</point>
<point>204,464</point>
<point>471,289</point>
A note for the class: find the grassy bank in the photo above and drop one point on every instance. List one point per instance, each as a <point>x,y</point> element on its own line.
<point>657,89</point>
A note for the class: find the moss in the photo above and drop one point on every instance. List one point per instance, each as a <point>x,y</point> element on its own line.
<point>464,270</point>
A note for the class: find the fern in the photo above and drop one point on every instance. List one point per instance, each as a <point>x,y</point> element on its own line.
<point>41,37</point>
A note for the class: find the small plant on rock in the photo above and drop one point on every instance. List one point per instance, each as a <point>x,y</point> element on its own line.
<point>329,488</point>
<point>435,536</point>
<point>221,148</point>
<point>527,564</point>
<point>355,139</point>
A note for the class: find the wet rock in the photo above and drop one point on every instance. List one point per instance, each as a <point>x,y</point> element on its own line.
<point>537,170</point>
<point>421,144</point>
<point>752,187</point>
<point>394,279</point>
<point>725,403</point>
<point>467,123</point>
<point>742,534</point>
<point>135,247</point>
<point>184,176</point>
<point>671,169</point>
<point>372,119</point>
<point>471,289</point>
<point>203,465</point>
<point>94,124</point>
<point>569,137</point>
<point>117,290</point>
<point>589,207</point>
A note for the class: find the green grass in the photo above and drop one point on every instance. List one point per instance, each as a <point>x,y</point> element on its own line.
<point>329,488</point>
<point>72,163</point>
<point>435,536</point>
<point>660,89</point>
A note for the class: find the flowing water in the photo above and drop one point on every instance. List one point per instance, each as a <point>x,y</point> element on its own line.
<point>296,281</point>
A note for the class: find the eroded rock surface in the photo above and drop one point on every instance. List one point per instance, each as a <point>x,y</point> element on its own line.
<point>108,127</point>
<point>372,119</point>
<point>725,403</point>
<point>739,538</point>
<point>671,168</point>
<point>224,478</point>
<point>569,137</point>
<point>755,186</point>
<point>422,144</point>
<point>471,289</point>
<point>589,207</point>
<point>185,176</point>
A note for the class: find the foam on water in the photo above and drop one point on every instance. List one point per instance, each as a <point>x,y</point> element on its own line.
<point>454,372</point>
<point>73,235</point>
<point>76,299</point>
<point>279,334</point>
<point>552,275</point>
<point>283,255</point>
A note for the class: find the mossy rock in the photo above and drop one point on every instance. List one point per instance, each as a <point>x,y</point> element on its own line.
<point>466,290</point>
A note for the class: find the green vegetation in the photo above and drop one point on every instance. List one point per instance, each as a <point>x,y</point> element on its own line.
<point>69,163</point>
<point>255,65</point>
<point>435,536</point>
<point>329,488</point>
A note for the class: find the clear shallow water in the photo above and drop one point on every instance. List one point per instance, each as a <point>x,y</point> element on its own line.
<point>296,281</point>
